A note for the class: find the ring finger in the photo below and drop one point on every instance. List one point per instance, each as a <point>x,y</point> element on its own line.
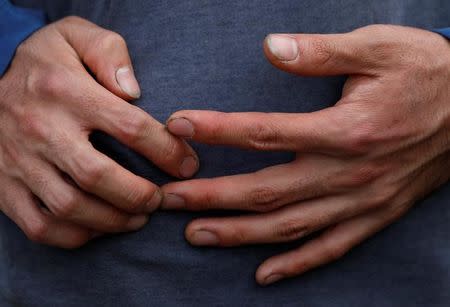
<point>69,203</point>
<point>287,224</point>
<point>18,203</point>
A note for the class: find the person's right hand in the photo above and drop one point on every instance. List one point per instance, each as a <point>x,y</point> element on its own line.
<point>53,184</point>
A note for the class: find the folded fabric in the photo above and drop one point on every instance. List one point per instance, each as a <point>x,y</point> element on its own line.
<point>16,24</point>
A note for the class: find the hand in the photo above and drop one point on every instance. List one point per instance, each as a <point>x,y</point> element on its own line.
<point>360,164</point>
<point>53,183</point>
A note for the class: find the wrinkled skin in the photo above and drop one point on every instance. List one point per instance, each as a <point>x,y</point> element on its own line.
<point>360,165</point>
<point>54,184</point>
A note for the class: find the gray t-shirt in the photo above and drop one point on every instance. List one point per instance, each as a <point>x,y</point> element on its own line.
<point>208,55</point>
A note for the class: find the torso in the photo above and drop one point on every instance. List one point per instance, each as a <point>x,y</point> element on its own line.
<point>208,55</point>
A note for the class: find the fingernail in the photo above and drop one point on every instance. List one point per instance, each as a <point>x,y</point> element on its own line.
<point>155,201</point>
<point>283,47</point>
<point>272,278</point>
<point>181,127</point>
<point>188,167</point>
<point>204,237</point>
<point>127,82</point>
<point>136,222</point>
<point>172,201</point>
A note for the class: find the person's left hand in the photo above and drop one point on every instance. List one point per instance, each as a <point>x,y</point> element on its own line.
<point>360,164</point>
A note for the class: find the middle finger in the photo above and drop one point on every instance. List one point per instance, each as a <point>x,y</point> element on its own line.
<point>265,190</point>
<point>287,224</point>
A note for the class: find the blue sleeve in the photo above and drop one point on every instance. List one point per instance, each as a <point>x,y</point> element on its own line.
<point>445,32</point>
<point>16,24</point>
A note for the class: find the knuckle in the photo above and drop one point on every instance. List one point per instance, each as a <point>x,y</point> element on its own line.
<point>134,127</point>
<point>71,19</point>
<point>379,197</point>
<point>323,51</point>
<point>236,236</point>
<point>385,44</point>
<point>34,127</point>
<point>65,206</point>
<point>215,131</point>
<point>263,136</point>
<point>89,173</point>
<point>110,40</point>
<point>378,30</point>
<point>291,230</point>
<point>57,144</point>
<point>10,156</point>
<point>37,230</point>
<point>208,201</point>
<point>137,198</point>
<point>53,84</point>
<point>360,175</point>
<point>263,199</point>
<point>41,183</point>
<point>107,42</point>
<point>361,139</point>
<point>170,151</point>
<point>116,221</point>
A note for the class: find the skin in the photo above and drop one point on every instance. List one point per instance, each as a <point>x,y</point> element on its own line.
<point>360,165</point>
<point>54,184</point>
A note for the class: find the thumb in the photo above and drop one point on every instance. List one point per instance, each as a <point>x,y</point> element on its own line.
<point>105,53</point>
<point>317,55</point>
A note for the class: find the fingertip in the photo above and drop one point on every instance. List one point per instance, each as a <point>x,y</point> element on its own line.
<point>194,226</point>
<point>189,230</point>
<point>178,114</point>
<point>283,47</point>
<point>202,237</point>
<point>180,126</point>
<point>126,80</point>
<point>155,201</point>
<point>189,167</point>
<point>137,222</point>
<point>265,275</point>
<point>189,163</point>
<point>260,275</point>
<point>198,233</point>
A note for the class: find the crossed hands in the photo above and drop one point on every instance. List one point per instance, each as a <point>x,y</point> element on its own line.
<point>360,165</point>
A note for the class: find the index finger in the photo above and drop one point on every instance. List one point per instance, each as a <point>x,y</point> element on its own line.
<point>99,175</point>
<point>135,128</point>
<point>322,131</point>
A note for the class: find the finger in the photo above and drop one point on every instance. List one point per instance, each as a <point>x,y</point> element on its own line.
<point>319,55</point>
<point>328,247</point>
<point>262,191</point>
<point>138,130</point>
<point>286,224</point>
<point>18,204</point>
<point>326,131</point>
<point>68,203</point>
<point>98,174</point>
<point>104,52</point>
